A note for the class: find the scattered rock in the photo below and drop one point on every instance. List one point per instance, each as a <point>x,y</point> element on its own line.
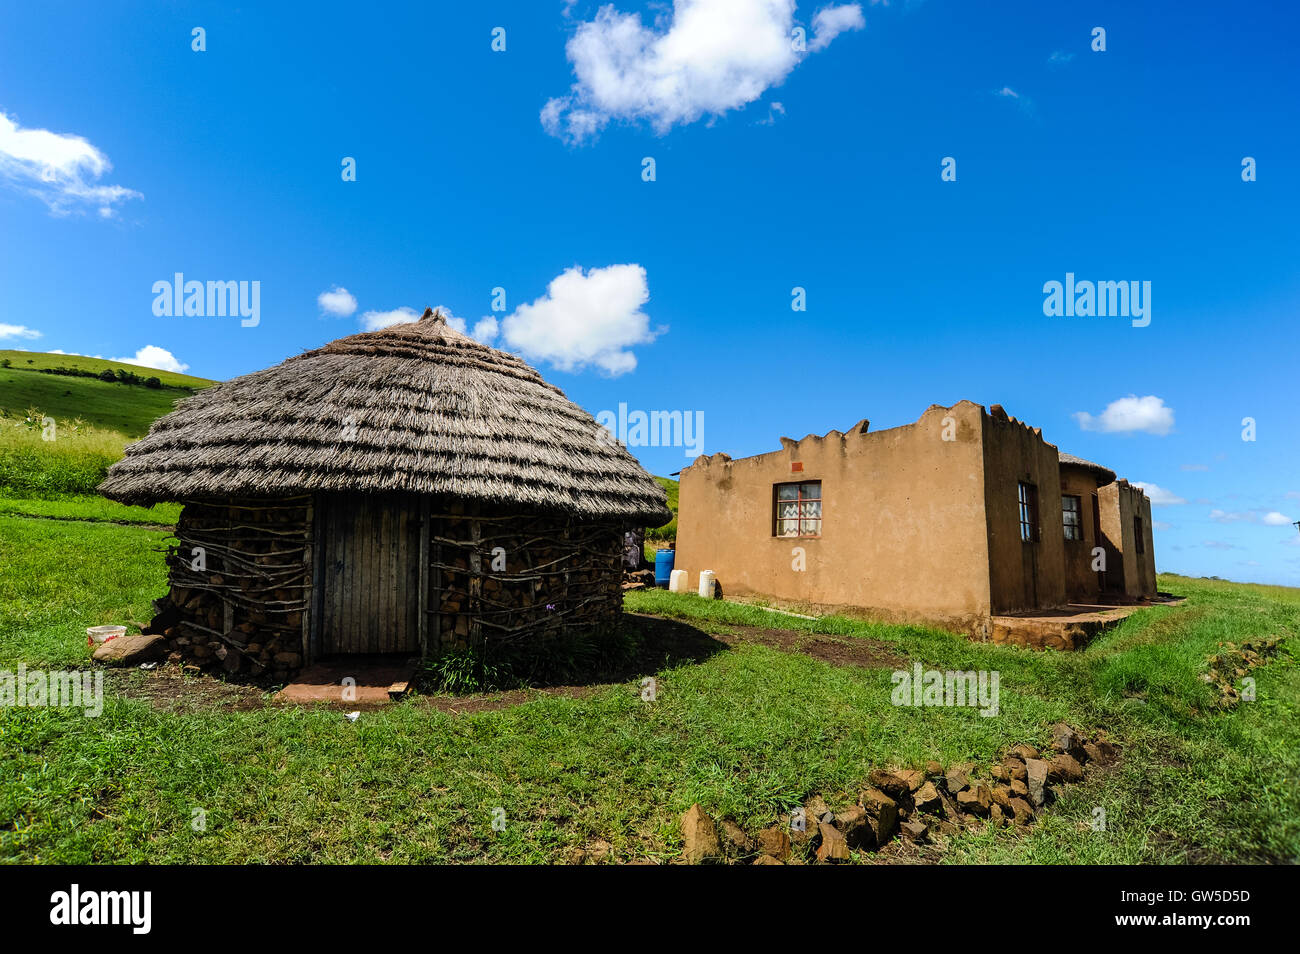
<point>1037,770</point>
<point>933,768</point>
<point>1002,795</point>
<point>1023,813</point>
<point>735,840</point>
<point>882,814</point>
<point>767,860</point>
<point>852,822</point>
<point>817,810</point>
<point>958,777</point>
<point>1023,752</point>
<point>1064,768</point>
<point>833,847</point>
<point>1015,769</point>
<point>699,837</point>
<point>891,783</point>
<point>131,650</point>
<point>1019,788</point>
<point>975,800</point>
<point>913,778</point>
<point>927,798</point>
<point>915,829</point>
<point>774,840</point>
<point>1063,737</point>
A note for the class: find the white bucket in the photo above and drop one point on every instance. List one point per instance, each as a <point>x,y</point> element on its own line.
<point>708,581</point>
<point>677,582</point>
<point>102,634</point>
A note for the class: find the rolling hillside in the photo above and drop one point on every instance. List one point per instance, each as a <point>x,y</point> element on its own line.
<point>128,409</point>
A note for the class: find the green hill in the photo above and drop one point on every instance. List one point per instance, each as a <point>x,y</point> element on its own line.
<point>669,530</point>
<point>128,409</point>
<point>37,360</point>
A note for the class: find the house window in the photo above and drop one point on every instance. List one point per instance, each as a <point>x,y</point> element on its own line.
<point>799,509</point>
<point>1028,512</point>
<point>1072,516</point>
<point>1141,545</point>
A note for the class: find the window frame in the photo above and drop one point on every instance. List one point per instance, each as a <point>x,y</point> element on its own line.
<point>1028,512</point>
<point>799,500</point>
<point>1077,526</point>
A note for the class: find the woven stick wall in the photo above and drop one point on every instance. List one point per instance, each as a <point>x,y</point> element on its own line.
<point>503,578</point>
<point>240,576</point>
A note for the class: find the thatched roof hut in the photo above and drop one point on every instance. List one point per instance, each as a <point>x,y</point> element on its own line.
<point>416,408</point>
<point>401,490</point>
<point>1104,475</point>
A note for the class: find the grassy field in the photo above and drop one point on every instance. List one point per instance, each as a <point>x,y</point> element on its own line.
<point>35,360</point>
<point>745,730</point>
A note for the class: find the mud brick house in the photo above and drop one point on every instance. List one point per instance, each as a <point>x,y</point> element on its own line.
<point>963,515</point>
<point>403,491</point>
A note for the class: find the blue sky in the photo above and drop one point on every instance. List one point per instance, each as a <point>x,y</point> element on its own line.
<point>1117,165</point>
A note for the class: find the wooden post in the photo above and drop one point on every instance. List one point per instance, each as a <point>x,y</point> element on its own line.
<point>309,574</point>
<point>424,578</point>
<point>475,583</point>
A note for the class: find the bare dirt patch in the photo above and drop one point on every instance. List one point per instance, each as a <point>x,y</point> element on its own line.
<point>170,690</point>
<point>848,651</point>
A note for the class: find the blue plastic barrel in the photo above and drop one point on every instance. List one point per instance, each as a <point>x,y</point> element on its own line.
<point>664,567</point>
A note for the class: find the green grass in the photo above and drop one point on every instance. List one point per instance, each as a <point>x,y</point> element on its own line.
<point>35,360</point>
<point>746,732</point>
<point>124,408</point>
<point>85,507</point>
<point>74,461</point>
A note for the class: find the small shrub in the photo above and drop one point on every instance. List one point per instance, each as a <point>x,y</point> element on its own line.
<point>108,375</point>
<point>575,657</point>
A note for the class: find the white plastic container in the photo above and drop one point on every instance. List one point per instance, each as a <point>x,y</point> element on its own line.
<point>708,583</point>
<point>102,634</point>
<point>677,582</point>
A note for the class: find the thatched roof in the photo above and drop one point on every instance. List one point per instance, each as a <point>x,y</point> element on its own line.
<point>1104,474</point>
<point>416,407</point>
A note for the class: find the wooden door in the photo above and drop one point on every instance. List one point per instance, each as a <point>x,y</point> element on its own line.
<point>369,552</point>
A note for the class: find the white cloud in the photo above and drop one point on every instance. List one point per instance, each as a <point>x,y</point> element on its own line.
<point>1194,467</point>
<point>1221,516</point>
<point>1161,525</point>
<point>712,57</point>
<point>585,319</point>
<point>1159,496</point>
<point>18,331</point>
<point>59,169</point>
<point>1219,545</point>
<point>1271,519</point>
<point>830,22</point>
<point>1130,414</point>
<point>1008,93</point>
<point>338,302</point>
<point>152,356</point>
<point>374,320</point>
<point>1060,58</point>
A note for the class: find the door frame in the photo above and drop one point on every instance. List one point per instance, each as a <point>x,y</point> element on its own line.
<point>312,649</point>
